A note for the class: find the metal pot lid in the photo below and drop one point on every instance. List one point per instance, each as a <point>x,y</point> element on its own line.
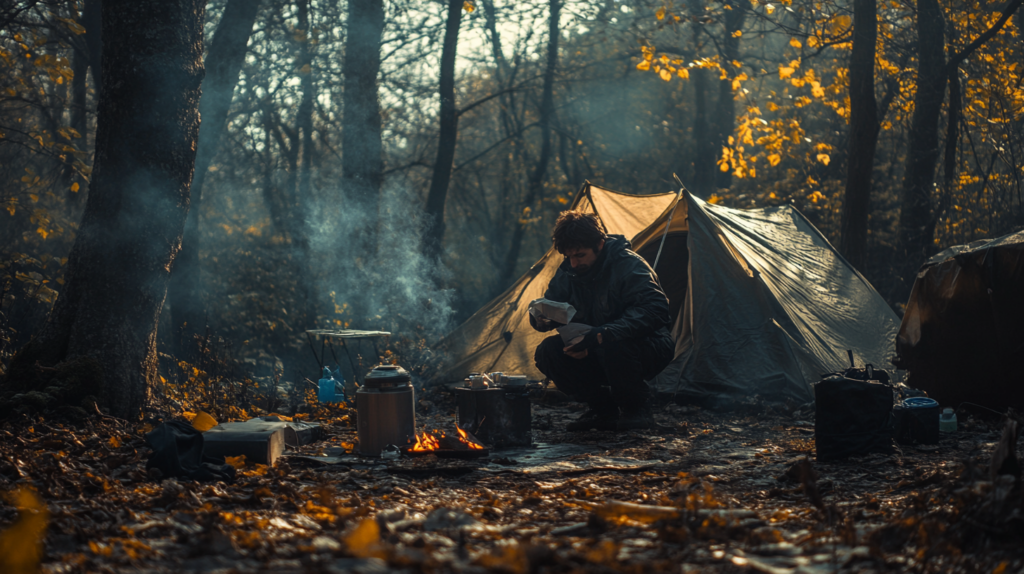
<point>387,375</point>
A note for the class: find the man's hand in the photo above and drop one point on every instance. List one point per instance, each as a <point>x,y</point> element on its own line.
<point>542,324</point>
<point>575,354</point>
<point>593,338</point>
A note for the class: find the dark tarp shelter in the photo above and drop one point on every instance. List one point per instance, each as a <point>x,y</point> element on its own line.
<point>962,336</point>
<point>763,303</point>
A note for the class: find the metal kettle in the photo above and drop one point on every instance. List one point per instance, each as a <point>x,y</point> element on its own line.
<point>385,410</point>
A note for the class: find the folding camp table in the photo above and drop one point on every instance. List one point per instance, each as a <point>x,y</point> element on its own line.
<point>343,335</point>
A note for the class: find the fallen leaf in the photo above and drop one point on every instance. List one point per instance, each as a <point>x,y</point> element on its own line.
<point>21,545</point>
<point>364,540</point>
<point>236,461</point>
<point>203,422</point>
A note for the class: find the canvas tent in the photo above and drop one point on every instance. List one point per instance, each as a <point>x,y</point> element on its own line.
<point>961,338</point>
<point>763,303</point>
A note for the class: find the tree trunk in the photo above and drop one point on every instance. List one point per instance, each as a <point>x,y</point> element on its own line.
<point>434,231</point>
<point>509,185</point>
<point>863,137</point>
<point>725,109</point>
<point>705,150</point>
<point>92,21</point>
<point>80,66</point>
<point>362,164</point>
<point>87,54</point>
<point>916,220</point>
<point>304,123</point>
<point>223,64</point>
<point>536,180</point>
<point>118,268</point>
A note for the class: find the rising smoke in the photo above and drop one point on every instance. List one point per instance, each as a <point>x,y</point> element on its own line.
<point>389,286</point>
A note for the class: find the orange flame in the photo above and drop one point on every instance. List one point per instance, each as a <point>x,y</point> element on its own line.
<point>425,443</point>
<point>473,445</point>
<point>428,441</point>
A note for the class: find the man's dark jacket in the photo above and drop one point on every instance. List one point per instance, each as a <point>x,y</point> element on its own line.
<point>620,292</point>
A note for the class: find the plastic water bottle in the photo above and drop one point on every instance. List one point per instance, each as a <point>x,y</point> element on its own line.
<point>326,392</point>
<point>339,385</point>
<point>947,420</point>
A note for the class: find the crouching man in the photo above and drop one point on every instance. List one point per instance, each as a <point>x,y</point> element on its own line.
<point>614,290</point>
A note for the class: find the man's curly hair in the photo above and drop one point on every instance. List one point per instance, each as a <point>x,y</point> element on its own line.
<point>577,230</point>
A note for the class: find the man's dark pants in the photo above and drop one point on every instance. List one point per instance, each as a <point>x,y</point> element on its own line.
<point>621,367</point>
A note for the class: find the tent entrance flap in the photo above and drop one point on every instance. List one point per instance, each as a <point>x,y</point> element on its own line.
<point>674,267</point>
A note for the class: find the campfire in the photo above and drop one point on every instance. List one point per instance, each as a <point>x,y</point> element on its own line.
<point>440,443</point>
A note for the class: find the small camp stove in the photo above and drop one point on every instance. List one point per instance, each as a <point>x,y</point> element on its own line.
<point>385,410</point>
<point>496,408</point>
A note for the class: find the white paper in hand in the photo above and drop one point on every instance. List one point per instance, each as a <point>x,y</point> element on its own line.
<point>554,311</point>
<point>573,332</point>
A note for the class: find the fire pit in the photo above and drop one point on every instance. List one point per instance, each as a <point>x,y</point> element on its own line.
<point>443,445</point>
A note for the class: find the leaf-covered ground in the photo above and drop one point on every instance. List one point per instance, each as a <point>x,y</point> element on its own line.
<point>713,493</point>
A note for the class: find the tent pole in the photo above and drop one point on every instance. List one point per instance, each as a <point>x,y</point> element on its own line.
<point>668,223</point>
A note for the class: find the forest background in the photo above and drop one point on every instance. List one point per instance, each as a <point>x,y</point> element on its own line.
<point>395,165</point>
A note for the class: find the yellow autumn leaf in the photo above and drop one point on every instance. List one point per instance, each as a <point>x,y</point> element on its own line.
<point>114,442</point>
<point>645,65</point>
<point>795,43</point>
<point>812,42</point>
<point>737,33</point>
<point>665,74</point>
<point>769,9</point>
<point>785,72</point>
<point>823,158</point>
<point>468,6</point>
<point>660,14</point>
<point>236,461</point>
<point>256,470</point>
<point>75,187</point>
<point>714,199</point>
<point>203,422</point>
<point>841,23</point>
<point>683,73</point>
<point>364,540</point>
<point>21,545</point>
<point>774,159</point>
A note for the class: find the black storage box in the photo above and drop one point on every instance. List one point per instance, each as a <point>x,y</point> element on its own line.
<point>852,417</point>
<point>917,421</point>
<point>497,416</point>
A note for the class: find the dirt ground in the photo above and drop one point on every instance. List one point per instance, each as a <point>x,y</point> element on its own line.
<point>712,492</point>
